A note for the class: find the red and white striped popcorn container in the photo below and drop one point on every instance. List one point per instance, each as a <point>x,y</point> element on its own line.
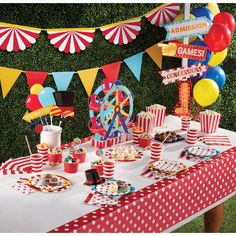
<point>146,121</point>
<point>36,162</point>
<point>210,121</point>
<point>185,122</point>
<point>108,169</point>
<point>159,113</point>
<point>43,151</point>
<point>192,136</point>
<point>156,149</point>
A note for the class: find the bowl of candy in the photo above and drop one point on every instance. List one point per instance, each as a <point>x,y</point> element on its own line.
<point>80,154</point>
<point>54,156</point>
<point>98,166</point>
<point>71,164</point>
<point>145,140</point>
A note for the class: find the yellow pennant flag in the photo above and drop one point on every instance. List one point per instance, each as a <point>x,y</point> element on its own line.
<point>155,52</point>
<point>213,7</point>
<point>88,77</point>
<point>8,77</point>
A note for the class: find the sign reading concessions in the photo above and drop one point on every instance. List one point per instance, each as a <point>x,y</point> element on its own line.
<point>187,28</point>
<point>182,73</point>
<point>183,51</point>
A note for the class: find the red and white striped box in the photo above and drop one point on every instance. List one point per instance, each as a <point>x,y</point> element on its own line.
<point>159,113</point>
<point>146,121</point>
<point>209,121</point>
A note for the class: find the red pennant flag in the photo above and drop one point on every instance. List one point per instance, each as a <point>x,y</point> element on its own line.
<point>112,70</point>
<point>35,77</point>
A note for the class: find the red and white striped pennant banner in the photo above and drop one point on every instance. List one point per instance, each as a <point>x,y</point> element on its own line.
<point>182,73</point>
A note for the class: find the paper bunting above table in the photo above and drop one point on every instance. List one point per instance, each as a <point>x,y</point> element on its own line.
<point>74,40</point>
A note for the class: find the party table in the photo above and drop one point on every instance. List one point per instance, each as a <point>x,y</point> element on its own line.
<point>155,206</point>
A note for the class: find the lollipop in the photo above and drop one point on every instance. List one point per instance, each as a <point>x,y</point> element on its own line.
<point>77,141</point>
<point>99,153</point>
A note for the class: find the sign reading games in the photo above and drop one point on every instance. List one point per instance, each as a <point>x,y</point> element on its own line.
<point>187,28</point>
<point>183,51</point>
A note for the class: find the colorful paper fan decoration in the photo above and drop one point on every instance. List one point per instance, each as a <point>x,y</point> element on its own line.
<point>16,37</point>
<point>122,32</point>
<point>71,40</point>
<point>163,14</point>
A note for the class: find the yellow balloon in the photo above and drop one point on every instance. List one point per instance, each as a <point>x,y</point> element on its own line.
<point>217,58</point>
<point>36,88</point>
<point>180,17</point>
<point>213,7</point>
<point>205,92</point>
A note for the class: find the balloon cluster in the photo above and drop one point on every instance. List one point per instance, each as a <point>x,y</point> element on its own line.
<point>40,97</point>
<point>217,40</point>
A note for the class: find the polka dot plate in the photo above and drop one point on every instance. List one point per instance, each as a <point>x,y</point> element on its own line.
<point>37,182</point>
<point>108,187</point>
<point>167,166</point>
<point>201,151</point>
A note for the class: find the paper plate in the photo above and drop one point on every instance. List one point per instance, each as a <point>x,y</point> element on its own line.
<point>201,151</point>
<point>167,166</point>
<point>37,182</point>
<point>105,188</point>
<point>139,156</point>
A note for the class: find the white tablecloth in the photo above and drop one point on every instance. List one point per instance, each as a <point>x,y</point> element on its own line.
<point>41,212</point>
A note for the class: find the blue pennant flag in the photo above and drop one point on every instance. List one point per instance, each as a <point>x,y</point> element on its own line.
<point>135,64</point>
<point>62,79</point>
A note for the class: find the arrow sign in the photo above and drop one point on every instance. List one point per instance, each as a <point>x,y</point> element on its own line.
<point>187,28</point>
<point>37,113</point>
<point>182,73</point>
<point>181,50</point>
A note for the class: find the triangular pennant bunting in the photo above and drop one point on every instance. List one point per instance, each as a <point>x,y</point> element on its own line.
<point>88,78</point>
<point>35,77</point>
<point>8,77</point>
<point>155,52</point>
<point>112,70</point>
<point>62,79</point>
<point>135,64</point>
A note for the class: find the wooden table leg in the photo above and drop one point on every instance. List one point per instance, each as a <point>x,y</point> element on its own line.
<point>213,219</point>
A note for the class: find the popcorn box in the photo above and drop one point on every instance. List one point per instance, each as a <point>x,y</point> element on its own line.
<point>146,121</point>
<point>209,121</point>
<point>159,113</point>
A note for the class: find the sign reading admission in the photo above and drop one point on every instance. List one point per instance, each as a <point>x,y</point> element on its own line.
<point>187,28</point>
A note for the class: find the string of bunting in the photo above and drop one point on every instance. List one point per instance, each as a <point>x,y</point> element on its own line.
<point>8,76</point>
<point>70,40</point>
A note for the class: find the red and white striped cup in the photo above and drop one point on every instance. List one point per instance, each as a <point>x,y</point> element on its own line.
<point>108,169</point>
<point>136,134</point>
<point>192,136</point>
<point>185,122</point>
<point>156,149</point>
<point>44,152</point>
<point>36,162</point>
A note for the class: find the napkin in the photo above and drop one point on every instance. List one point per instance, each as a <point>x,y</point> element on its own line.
<point>216,140</point>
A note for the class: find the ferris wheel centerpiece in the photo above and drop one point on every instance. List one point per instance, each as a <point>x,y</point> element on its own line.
<point>110,111</point>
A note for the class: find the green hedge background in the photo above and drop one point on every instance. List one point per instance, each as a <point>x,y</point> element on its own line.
<point>42,56</point>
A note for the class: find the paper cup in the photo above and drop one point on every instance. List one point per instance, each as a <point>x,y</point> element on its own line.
<point>185,122</point>
<point>80,156</point>
<point>136,136</point>
<point>192,136</point>
<point>156,149</point>
<point>55,158</point>
<point>36,162</point>
<point>71,167</point>
<point>144,142</point>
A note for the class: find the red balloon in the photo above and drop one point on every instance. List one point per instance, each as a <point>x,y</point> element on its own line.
<point>226,19</point>
<point>32,102</point>
<point>218,38</point>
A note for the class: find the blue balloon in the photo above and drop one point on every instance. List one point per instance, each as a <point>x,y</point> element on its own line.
<point>203,11</point>
<point>217,74</point>
<point>208,54</point>
<point>46,96</point>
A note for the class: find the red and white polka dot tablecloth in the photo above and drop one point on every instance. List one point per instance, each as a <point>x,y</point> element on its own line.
<point>162,205</point>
